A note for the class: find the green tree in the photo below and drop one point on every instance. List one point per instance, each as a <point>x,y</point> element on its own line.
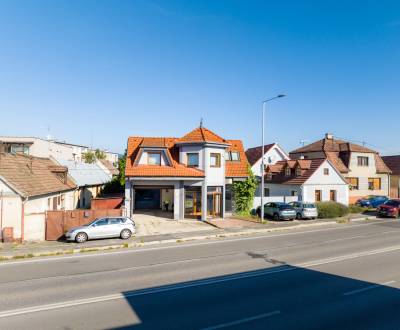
<point>89,157</point>
<point>243,192</point>
<point>100,155</point>
<point>117,184</point>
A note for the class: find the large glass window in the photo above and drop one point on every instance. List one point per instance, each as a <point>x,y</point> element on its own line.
<point>154,158</point>
<point>215,160</point>
<point>193,159</point>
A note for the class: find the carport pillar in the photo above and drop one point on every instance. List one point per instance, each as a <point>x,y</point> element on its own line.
<point>179,200</point>
<point>128,198</point>
<point>204,201</point>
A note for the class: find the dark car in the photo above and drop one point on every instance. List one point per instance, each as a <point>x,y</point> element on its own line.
<point>372,201</point>
<point>391,208</point>
<point>278,211</point>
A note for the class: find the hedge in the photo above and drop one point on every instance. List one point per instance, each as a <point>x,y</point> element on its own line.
<point>327,210</point>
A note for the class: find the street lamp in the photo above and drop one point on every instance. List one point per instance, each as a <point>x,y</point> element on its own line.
<point>264,106</point>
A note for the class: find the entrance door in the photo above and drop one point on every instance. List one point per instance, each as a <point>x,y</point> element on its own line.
<point>214,204</point>
<point>192,203</point>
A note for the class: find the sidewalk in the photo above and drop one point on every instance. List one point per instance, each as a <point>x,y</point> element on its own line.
<point>11,251</point>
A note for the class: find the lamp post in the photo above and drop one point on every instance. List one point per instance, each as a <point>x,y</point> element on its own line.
<point>264,107</point>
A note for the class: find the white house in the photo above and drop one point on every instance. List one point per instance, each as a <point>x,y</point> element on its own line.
<point>189,175</point>
<point>273,153</point>
<point>30,186</point>
<point>313,180</point>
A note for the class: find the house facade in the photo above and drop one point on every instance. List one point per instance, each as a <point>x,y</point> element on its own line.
<point>30,186</point>
<point>363,168</point>
<point>313,180</point>
<point>273,153</point>
<point>393,162</point>
<point>191,176</point>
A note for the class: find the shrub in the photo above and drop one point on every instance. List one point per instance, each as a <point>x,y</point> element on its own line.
<point>243,192</point>
<point>328,210</point>
<point>356,209</point>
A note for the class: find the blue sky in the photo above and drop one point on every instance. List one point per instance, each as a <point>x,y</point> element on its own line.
<point>95,72</point>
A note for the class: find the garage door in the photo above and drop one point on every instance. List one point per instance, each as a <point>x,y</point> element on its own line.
<point>147,199</point>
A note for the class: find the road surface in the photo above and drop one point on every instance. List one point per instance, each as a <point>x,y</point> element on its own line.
<point>335,277</point>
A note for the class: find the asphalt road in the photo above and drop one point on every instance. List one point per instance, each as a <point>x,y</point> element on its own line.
<point>339,277</point>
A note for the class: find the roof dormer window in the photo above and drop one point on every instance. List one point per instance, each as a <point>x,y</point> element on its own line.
<point>288,171</point>
<point>298,171</point>
<point>154,158</point>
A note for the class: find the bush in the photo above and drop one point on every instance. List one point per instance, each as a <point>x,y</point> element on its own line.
<point>354,209</point>
<point>327,210</point>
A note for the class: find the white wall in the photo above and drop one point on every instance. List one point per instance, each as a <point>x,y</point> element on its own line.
<point>215,176</point>
<point>274,155</point>
<point>277,193</point>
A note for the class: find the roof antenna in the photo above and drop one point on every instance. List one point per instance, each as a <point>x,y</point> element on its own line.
<point>201,122</point>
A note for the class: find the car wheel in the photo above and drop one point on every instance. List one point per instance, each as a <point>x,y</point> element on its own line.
<point>81,237</point>
<point>276,217</point>
<point>125,234</point>
<point>298,216</point>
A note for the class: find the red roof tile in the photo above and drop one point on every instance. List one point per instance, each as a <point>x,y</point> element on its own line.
<point>202,134</point>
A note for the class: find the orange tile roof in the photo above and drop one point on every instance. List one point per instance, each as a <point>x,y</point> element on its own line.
<point>237,168</point>
<point>202,134</point>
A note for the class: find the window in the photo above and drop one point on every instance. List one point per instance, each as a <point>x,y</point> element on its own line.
<point>49,203</point>
<point>318,195</point>
<point>287,171</point>
<point>235,156</point>
<point>115,221</point>
<point>332,195</point>
<point>294,193</point>
<point>227,155</point>
<point>62,201</point>
<point>269,176</point>
<point>362,161</point>
<point>353,182</point>
<point>101,222</point>
<point>298,171</point>
<point>154,158</point>
<point>266,192</point>
<point>374,184</point>
<point>192,159</point>
<point>326,171</point>
<point>215,160</point>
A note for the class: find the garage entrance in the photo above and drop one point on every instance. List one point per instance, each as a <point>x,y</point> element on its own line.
<point>147,198</point>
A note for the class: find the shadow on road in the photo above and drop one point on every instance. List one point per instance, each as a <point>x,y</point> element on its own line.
<point>279,297</point>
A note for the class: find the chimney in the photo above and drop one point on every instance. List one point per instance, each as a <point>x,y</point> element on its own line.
<point>302,157</point>
<point>328,136</point>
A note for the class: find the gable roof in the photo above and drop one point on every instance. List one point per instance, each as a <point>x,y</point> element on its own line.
<point>85,174</point>
<point>254,154</point>
<point>393,162</point>
<point>308,168</point>
<point>237,168</point>
<point>33,176</point>
<point>109,166</point>
<point>201,135</point>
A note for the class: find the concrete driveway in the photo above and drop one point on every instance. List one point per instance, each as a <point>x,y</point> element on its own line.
<point>158,223</point>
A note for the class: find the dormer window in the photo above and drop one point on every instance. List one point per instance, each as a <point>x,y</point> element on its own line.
<point>235,156</point>
<point>154,158</point>
<point>298,171</point>
<point>269,176</point>
<point>288,171</point>
<point>192,159</point>
<point>362,161</point>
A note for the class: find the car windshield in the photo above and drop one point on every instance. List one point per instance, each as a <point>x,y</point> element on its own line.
<point>309,206</point>
<point>285,207</point>
<point>392,203</point>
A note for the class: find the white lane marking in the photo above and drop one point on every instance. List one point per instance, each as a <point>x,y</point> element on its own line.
<point>172,287</point>
<point>219,241</point>
<point>246,320</point>
<point>371,287</point>
<point>343,239</point>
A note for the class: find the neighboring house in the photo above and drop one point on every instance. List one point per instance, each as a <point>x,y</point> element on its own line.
<point>89,178</point>
<point>273,153</point>
<point>393,162</point>
<point>30,186</point>
<point>112,157</point>
<point>108,167</point>
<point>311,180</point>
<point>363,168</point>
<point>193,174</point>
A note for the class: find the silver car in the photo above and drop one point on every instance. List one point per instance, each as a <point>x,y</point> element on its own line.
<point>305,210</point>
<point>106,227</point>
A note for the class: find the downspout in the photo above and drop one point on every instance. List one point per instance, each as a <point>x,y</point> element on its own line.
<point>1,214</point>
<point>23,218</point>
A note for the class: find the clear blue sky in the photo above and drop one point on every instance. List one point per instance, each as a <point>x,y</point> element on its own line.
<point>96,72</point>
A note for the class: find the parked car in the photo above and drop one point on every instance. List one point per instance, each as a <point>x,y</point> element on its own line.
<point>391,208</point>
<point>305,210</point>
<point>372,201</point>
<point>278,211</point>
<point>108,227</point>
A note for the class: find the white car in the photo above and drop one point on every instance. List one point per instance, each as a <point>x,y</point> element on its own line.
<point>305,210</point>
<point>107,227</point>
